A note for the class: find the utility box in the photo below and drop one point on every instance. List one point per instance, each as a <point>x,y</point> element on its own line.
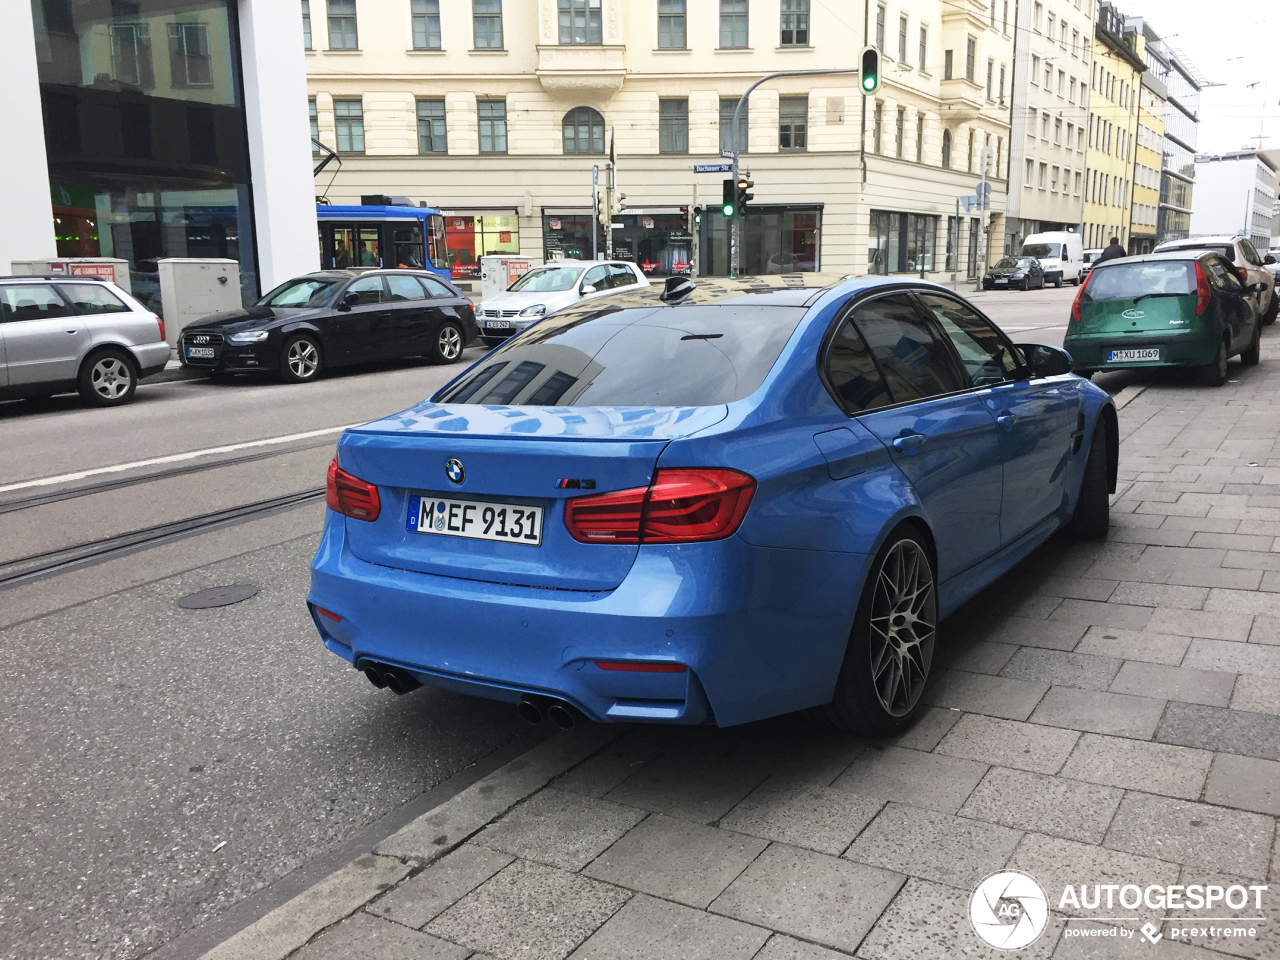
<point>499,271</point>
<point>191,290</point>
<point>117,271</point>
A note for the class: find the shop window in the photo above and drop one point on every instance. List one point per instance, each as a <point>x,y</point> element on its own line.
<point>672,24</point>
<point>189,55</point>
<point>348,118</point>
<point>795,23</point>
<point>583,131</point>
<point>580,22</point>
<point>730,139</point>
<point>342,25</point>
<point>733,24</point>
<point>306,24</point>
<point>426,24</point>
<point>793,123</point>
<point>431,127</point>
<point>470,238</point>
<point>673,126</point>
<point>487,17</point>
<point>492,115</point>
<point>901,242</point>
<point>775,240</point>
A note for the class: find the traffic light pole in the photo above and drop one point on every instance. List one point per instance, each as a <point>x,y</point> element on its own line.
<point>735,228</point>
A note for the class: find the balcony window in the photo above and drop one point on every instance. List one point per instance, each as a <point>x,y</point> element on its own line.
<point>672,24</point>
<point>673,126</point>
<point>348,118</point>
<point>581,23</point>
<point>426,24</point>
<point>492,115</point>
<point>733,24</point>
<point>487,26</point>
<point>793,123</point>
<point>583,132</point>
<point>342,25</point>
<point>431,127</point>
<point>795,23</point>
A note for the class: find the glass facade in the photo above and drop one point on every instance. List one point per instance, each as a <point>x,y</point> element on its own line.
<point>145,133</point>
<point>775,239</point>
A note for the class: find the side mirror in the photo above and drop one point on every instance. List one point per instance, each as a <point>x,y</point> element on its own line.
<point>348,301</point>
<point>1046,361</point>
<point>1268,259</point>
<point>1258,287</point>
<point>588,289</point>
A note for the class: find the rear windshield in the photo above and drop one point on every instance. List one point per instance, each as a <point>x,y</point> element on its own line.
<point>1124,281</point>
<point>1223,250</point>
<point>695,356</point>
<point>1041,250</point>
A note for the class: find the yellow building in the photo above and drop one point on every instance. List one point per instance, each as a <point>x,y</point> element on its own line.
<point>1147,162</point>
<point>1113,129</point>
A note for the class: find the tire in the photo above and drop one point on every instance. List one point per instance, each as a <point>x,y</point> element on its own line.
<point>875,696</point>
<point>1058,281</point>
<point>107,378</point>
<point>1269,317</point>
<point>1092,518</point>
<point>448,344</point>
<point>1251,356</point>
<point>1215,374</point>
<point>300,359</point>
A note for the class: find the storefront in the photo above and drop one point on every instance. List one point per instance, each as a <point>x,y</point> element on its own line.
<point>473,234</point>
<point>656,238</point>
<point>903,243</point>
<point>775,239</point>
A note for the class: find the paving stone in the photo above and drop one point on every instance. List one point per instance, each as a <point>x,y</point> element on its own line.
<point>931,726</point>
<point>1245,783</point>
<point>559,828</point>
<point>422,898</point>
<point>529,912</point>
<point>1052,805</point>
<point>979,693</point>
<point>824,899</point>
<point>1243,602</point>
<point>690,786</point>
<point>782,947</point>
<point>803,815</point>
<point>1228,657</point>
<point>909,776</point>
<point>1160,595</point>
<point>1252,560</point>
<point>1209,524</point>
<point>1027,632</point>
<point>1256,695</point>
<point>981,656</point>
<point>1077,588</point>
<point>1231,541</point>
<point>929,920</point>
<point>799,747</point>
<point>1138,765</point>
<point>1060,668</point>
<point>600,773</point>
<point>1134,645</point>
<point>1200,623</point>
<point>1195,834</point>
<point>1175,683</point>
<point>1270,581</point>
<point>1265,630</point>
<point>646,928</point>
<point>1263,946</point>
<point>362,937</point>
<point>937,846</point>
<point>1222,730</point>
<point>676,860</point>
<point>1110,614</point>
<point>1117,714</point>
<point>1009,743</point>
<point>1156,537</point>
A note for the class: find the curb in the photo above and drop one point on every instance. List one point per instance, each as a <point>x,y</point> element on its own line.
<point>1127,395</point>
<point>174,372</point>
<point>419,843</point>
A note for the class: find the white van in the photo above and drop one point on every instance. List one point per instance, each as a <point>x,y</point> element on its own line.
<point>1061,253</point>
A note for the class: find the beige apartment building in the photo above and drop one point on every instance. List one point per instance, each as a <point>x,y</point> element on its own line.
<point>496,111</point>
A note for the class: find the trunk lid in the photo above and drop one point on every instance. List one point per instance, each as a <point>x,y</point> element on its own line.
<point>1139,296</point>
<point>518,457</point>
<point>1148,315</point>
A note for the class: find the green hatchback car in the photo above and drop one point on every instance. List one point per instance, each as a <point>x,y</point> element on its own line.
<point>1188,309</point>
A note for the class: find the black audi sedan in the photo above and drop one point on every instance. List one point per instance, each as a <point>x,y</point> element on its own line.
<point>334,318</point>
<point>1024,273</point>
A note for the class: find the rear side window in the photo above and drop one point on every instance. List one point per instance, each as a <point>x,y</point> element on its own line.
<point>620,276</point>
<point>915,364</point>
<point>30,302</point>
<point>435,288</point>
<point>404,288</point>
<point>852,373</point>
<point>696,355</point>
<point>92,298</point>
<point>1125,281</point>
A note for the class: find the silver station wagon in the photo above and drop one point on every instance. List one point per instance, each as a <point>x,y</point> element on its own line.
<point>61,333</point>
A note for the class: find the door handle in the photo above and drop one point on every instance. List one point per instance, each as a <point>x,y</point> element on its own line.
<point>73,331</point>
<point>910,443</point>
<point>1007,420</point>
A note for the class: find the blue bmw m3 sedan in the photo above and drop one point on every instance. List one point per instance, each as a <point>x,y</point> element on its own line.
<point>714,501</point>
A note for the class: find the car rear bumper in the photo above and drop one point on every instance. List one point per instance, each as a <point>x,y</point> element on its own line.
<point>1192,349</point>
<point>152,357</point>
<point>760,631</point>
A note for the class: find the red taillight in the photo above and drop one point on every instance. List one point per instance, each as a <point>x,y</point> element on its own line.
<point>1075,304</point>
<point>160,323</point>
<point>327,614</point>
<point>680,506</point>
<point>351,496</point>
<point>1243,273</point>
<point>632,666</point>
<point>1202,289</point>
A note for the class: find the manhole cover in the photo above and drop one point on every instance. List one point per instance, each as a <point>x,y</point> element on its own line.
<point>218,596</point>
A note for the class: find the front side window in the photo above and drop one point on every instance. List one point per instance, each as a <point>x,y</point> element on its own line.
<point>30,302</point>
<point>733,24</point>
<point>597,277</point>
<point>306,24</point>
<point>731,139</point>
<point>795,23</point>
<point>914,364</point>
<point>672,24</point>
<point>431,127</point>
<point>348,118</point>
<point>492,116</point>
<point>189,58</point>
<point>547,280</point>
<point>852,374</point>
<point>988,356</point>
<point>426,24</point>
<point>342,24</point>
<point>673,126</point>
<point>793,123</point>
<point>580,22</point>
<point>487,15</point>
<point>583,131</point>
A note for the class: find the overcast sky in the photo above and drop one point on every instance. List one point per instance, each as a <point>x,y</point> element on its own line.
<point>1235,43</point>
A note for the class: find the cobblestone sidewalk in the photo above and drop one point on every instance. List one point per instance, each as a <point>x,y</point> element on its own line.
<point>1109,713</point>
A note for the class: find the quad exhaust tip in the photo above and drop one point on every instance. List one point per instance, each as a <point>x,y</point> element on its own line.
<point>534,710</point>
<point>386,677</point>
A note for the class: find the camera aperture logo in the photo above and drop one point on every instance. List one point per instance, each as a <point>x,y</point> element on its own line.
<point>1009,910</point>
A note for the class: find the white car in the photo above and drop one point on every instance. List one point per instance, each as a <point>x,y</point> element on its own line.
<point>1240,252</point>
<point>544,290</point>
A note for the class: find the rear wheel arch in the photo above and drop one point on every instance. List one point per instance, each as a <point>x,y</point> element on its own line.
<point>1111,424</point>
<point>92,354</point>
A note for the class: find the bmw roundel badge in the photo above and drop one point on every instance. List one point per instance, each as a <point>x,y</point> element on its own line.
<point>454,470</point>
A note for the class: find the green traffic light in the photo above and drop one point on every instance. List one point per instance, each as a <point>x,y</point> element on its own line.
<point>869,83</point>
<point>728,209</point>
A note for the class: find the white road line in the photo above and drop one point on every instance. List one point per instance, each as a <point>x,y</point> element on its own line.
<point>174,458</point>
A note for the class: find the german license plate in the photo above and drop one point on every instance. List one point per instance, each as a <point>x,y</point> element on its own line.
<point>476,520</point>
<point>200,353</point>
<point>1127,356</point>
<point>497,324</point>
<point>999,280</point>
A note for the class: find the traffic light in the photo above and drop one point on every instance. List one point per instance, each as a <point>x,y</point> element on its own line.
<point>730,198</point>
<point>745,183</point>
<point>697,216</point>
<point>870,70</point>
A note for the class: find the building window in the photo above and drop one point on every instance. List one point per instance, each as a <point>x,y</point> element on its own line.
<point>1044,170</point>
<point>1002,69</point>
<point>969,161</point>
<point>795,23</point>
<point>492,115</point>
<point>877,128</point>
<point>1075,43</point>
<point>1053,180</point>
<point>1031,169</point>
<point>924,49</point>
<point>1035,69</point>
<point>733,24</point>
<point>431,130</point>
<point>348,118</point>
<point>671,24</point>
<point>583,131</point>
<point>306,25</point>
<point>1062,83</point>
<point>1044,127</point>
<point>920,139</point>
<point>1077,187</point>
<point>993,14</point>
<point>131,62</point>
<point>1037,11</point>
<point>899,132</point>
<point>730,139</point>
<point>426,24</point>
<point>315,125</point>
<point>999,155</point>
<point>948,57</point>
<point>487,17</point>
<point>881,12</point>
<point>189,55</point>
<point>793,123</point>
<point>1057,131</point>
<point>673,126</point>
<point>580,22</point>
<point>970,59</point>
<point>342,25</point>
<point>1048,76</point>
<point>991,79</point>
<point>1005,27</point>
<point>902,39</point>
<point>946,149</point>
<point>1051,21</point>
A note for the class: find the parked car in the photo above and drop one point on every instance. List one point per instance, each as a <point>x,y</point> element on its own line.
<point>1247,263</point>
<point>546,289</point>
<point>61,333</point>
<point>1061,254</point>
<point>335,318</point>
<point>1187,308</point>
<point>1022,273</point>
<point>708,502</point>
<point>1090,255</point>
